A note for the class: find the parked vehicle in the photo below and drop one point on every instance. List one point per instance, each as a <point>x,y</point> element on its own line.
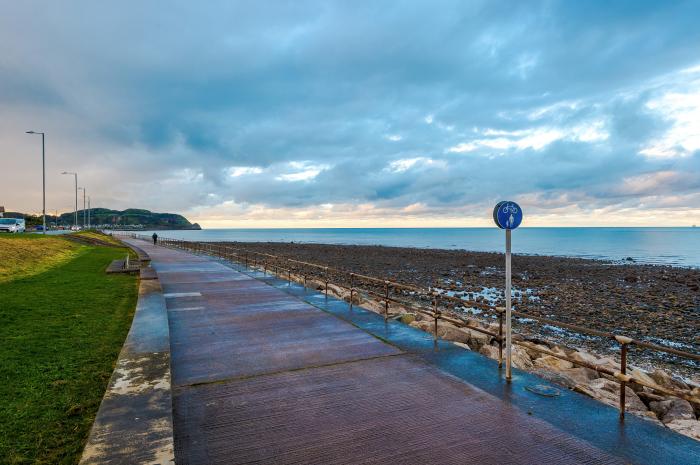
<point>12,225</point>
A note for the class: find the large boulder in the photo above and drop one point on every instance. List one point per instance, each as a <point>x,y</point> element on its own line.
<point>608,392</point>
<point>424,325</point>
<point>642,376</point>
<point>463,346</point>
<point>520,358</point>
<point>489,351</point>
<point>665,380</point>
<point>534,354</point>
<point>549,362</point>
<point>696,405</point>
<point>581,375</point>
<point>454,334</point>
<point>585,357</point>
<point>478,339</point>
<point>672,409</point>
<point>690,428</point>
<point>568,378</point>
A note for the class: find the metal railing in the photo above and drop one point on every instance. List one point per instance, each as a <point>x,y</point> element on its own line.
<point>390,293</point>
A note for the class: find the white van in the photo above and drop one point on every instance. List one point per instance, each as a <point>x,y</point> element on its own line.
<point>12,225</point>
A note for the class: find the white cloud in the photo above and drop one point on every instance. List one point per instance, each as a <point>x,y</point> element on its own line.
<point>237,171</point>
<point>683,110</point>
<point>405,164</point>
<point>306,171</point>
<point>394,137</point>
<point>535,139</point>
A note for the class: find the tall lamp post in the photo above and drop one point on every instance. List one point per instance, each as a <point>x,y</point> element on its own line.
<point>43,176</point>
<point>89,208</point>
<point>75,222</point>
<point>84,207</point>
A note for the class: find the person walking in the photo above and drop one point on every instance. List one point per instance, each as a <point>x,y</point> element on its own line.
<point>155,238</point>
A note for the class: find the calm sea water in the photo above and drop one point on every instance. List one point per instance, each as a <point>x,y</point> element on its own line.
<point>669,246</point>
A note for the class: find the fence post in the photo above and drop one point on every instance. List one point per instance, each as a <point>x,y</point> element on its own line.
<point>352,287</point>
<point>326,277</point>
<point>386,301</point>
<point>436,315</point>
<point>624,343</point>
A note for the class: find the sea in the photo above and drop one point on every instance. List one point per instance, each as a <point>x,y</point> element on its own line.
<point>676,246</point>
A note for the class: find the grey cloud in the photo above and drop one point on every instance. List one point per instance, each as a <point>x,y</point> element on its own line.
<point>176,87</point>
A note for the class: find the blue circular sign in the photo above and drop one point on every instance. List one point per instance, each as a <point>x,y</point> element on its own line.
<point>507,215</point>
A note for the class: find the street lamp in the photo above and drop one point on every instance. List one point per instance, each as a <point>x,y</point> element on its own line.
<point>84,207</point>
<point>75,223</point>
<point>89,209</point>
<point>43,176</point>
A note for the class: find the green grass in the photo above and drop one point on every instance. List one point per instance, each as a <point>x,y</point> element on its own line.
<point>99,236</point>
<point>23,255</point>
<point>60,333</point>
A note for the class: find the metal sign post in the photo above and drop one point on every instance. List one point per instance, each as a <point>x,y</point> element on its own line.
<point>508,215</point>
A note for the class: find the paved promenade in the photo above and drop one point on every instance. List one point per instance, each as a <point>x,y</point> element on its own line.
<point>261,376</point>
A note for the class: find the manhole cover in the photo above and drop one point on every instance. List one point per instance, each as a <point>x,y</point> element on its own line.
<point>543,390</point>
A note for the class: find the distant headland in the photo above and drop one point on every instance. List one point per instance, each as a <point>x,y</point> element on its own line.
<point>104,218</point>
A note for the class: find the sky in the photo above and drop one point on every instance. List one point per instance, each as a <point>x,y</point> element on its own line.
<point>356,113</point>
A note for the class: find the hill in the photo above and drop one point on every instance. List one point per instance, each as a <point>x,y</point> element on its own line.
<point>131,218</point>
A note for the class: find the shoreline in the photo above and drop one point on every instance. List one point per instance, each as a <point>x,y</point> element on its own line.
<point>676,247</point>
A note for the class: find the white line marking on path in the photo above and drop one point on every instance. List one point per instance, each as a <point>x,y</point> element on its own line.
<point>186,309</point>
<point>182,294</point>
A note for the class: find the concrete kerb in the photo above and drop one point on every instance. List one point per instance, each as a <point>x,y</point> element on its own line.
<point>134,422</point>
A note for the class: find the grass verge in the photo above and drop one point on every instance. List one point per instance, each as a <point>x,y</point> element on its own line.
<point>23,255</point>
<point>60,336</point>
<point>99,236</point>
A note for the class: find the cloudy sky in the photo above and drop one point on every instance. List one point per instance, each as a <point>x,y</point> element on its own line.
<point>356,113</point>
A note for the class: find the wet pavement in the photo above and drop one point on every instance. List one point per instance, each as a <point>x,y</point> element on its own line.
<point>266,371</point>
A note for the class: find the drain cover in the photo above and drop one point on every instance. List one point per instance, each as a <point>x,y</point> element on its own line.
<point>543,390</point>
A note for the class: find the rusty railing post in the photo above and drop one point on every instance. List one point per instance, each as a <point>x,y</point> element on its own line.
<point>352,287</point>
<point>326,278</point>
<point>624,343</point>
<point>436,315</point>
<point>386,300</point>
